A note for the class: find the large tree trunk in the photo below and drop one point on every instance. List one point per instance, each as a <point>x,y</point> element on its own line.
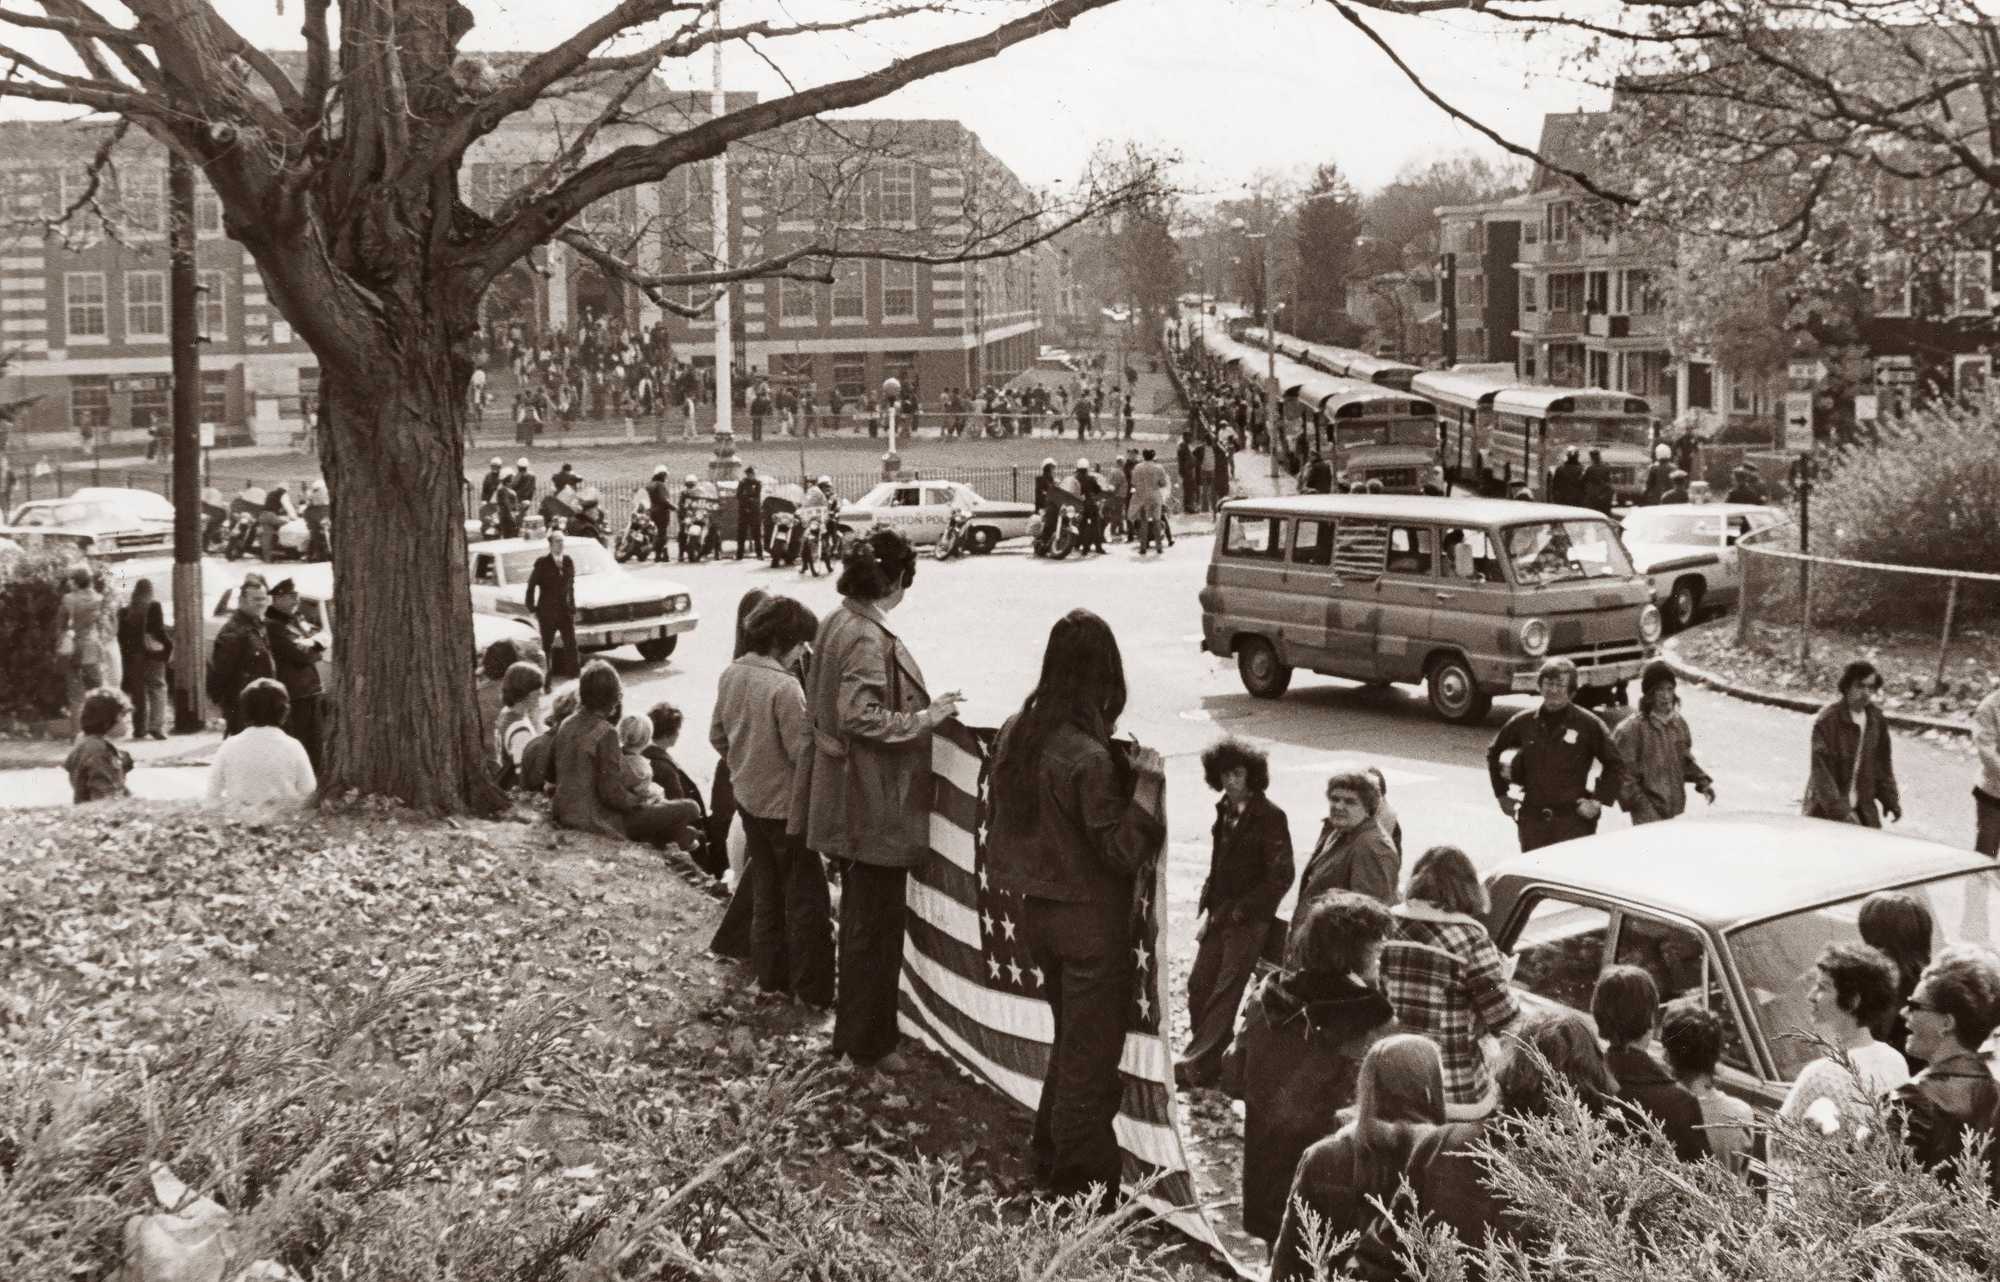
<point>406,716</point>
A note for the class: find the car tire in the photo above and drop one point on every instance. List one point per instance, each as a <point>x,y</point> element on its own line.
<point>1454,691</point>
<point>1263,675</point>
<point>658,648</point>
<point>982,539</point>
<point>1683,604</point>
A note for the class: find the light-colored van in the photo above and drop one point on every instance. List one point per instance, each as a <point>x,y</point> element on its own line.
<point>1467,596</point>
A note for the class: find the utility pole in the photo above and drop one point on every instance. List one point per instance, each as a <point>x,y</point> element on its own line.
<point>189,661</point>
<point>725,351</point>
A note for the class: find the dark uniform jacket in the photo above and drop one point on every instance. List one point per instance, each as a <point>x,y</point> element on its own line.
<point>242,654</point>
<point>296,656</point>
<point>749,497</point>
<point>1250,864</point>
<point>1598,491</point>
<point>1566,486</point>
<point>1643,1084</point>
<point>552,588</point>
<point>1553,764</point>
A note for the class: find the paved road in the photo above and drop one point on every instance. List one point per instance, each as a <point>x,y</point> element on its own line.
<point>979,625</point>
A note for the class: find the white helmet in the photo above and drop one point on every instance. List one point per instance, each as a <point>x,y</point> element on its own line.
<point>660,471</point>
<point>826,481</point>
<point>1048,462</point>
<point>1662,453</point>
<point>1083,463</point>
<point>689,480</point>
<point>494,461</point>
<point>522,463</point>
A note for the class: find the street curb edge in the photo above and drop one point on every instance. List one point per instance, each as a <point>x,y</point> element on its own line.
<point>1797,703</point>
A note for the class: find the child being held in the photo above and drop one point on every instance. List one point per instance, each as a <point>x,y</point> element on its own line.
<point>635,735</point>
<point>97,767</point>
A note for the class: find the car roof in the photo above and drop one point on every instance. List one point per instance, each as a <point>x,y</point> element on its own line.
<point>1725,871</point>
<point>1707,509</point>
<point>1414,507</point>
<point>507,545</point>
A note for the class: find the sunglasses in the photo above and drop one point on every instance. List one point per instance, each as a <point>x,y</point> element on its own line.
<point>1914,1004</point>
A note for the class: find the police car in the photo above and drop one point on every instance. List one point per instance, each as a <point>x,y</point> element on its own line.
<point>922,510</point>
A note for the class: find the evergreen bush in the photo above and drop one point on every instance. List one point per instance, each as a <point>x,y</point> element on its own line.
<point>32,584</point>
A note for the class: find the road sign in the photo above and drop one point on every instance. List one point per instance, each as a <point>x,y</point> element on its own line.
<point>1798,421</point>
<point>1866,409</point>
<point>208,436</point>
<point>1808,371</point>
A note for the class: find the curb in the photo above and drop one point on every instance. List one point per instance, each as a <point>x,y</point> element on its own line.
<point>48,754</point>
<point>1797,703</point>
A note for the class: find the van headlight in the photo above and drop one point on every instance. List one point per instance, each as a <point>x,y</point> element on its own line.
<point>1535,637</point>
<point>1649,624</point>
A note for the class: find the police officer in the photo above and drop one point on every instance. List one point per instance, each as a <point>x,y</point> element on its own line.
<point>1658,473</point>
<point>1598,491</point>
<point>1566,486</point>
<point>660,508</point>
<point>1554,746</point>
<point>690,502</point>
<point>296,651</point>
<point>491,481</point>
<point>749,513</point>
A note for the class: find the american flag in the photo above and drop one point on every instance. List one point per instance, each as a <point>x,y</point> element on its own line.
<point>969,990</point>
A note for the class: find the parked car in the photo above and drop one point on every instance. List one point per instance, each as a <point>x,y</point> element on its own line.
<point>614,606</point>
<point>99,521</point>
<point>922,511</point>
<point>315,585</point>
<point>1467,596</point>
<point>1724,911</point>
<point>1689,552</point>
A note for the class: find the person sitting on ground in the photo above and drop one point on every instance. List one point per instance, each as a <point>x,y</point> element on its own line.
<point>1626,1005</point>
<point>261,764</point>
<point>675,784</point>
<point>1692,1039</point>
<point>538,756</point>
<point>635,735</point>
<point>1299,1055</point>
<point>588,767</point>
<point>519,720</point>
<point>1955,1008</point>
<point>1344,1178</point>
<point>96,766</point>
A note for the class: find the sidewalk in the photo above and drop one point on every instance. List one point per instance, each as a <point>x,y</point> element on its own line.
<point>1252,471</point>
<point>176,750</point>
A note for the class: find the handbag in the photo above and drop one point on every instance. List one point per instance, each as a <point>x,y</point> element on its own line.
<point>66,644</point>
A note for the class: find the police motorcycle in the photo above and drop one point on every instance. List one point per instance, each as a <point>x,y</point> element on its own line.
<point>242,536</point>
<point>952,543</point>
<point>1058,531</point>
<point>786,543</point>
<point>641,535</point>
<point>703,539</point>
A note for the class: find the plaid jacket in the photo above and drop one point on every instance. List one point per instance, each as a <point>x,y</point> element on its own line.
<point>1448,983</point>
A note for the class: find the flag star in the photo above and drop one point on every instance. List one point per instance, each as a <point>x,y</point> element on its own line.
<point>1014,971</point>
<point>993,964</point>
<point>987,919</point>
<point>1007,925</point>
<point>1139,952</point>
<point>983,884</point>
<point>1145,1007</point>
<point>1036,971</point>
<point>1144,903</point>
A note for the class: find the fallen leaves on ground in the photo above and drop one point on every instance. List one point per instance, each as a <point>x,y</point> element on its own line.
<point>1769,660</point>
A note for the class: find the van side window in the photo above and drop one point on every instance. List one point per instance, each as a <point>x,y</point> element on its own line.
<point>1410,549</point>
<point>1360,548</point>
<point>1476,565</point>
<point>1254,537</point>
<point>1312,543</point>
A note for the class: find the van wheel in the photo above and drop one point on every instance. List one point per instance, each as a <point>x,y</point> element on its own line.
<point>1455,693</point>
<point>1683,604</point>
<point>982,539</point>
<point>1257,663</point>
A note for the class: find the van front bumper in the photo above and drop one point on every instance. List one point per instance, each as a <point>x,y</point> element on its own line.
<point>1525,680</point>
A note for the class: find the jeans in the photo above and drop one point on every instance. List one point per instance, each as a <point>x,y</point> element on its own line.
<point>871,961</point>
<point>146,685</point>
<point>791,926</point>
<point>1085,953</point>
<point>302,722</point>
<point>550,629</point>
<point>1222,968</point>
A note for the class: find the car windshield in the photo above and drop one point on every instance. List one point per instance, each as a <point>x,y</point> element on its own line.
<point>1775,958</point>
<point>881,496</point>
<point>1621,430</point>
<point>1642,526</point>
<point>588,556</point>
<point>1563,551</point>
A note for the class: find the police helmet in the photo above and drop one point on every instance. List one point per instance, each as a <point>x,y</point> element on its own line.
<point>493,462</point>
<point>1048,462</point>
<point>1084,464</point>
<point>826,481</point>
<point>1662,453</point>
<point>689,479</point>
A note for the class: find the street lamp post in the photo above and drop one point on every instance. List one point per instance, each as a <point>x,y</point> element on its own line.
<point>1270,354</point>
<point>892,396</point>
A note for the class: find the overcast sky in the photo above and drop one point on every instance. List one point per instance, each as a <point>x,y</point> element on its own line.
<point>1237,87</point>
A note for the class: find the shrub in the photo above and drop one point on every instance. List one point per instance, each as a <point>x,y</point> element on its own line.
<point>1925,493</point>
<point>31,674</point>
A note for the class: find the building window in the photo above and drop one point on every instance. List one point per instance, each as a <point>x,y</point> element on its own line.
<point>899,291</point>
<point>1889,274</point>
<point>850,376</point>
<point>795,302</point>
<point>308,391</point>
<point>152,401</point>
<point>83,295</point>
<point>1972,377</point>
<point>850,300</point>
<point>1559,221</point>
<point>1531,231</point>
<point>901,366</point>
<point>1528,293</point>
<point>214,396</point>
<point>145,306</point>
<point>1641,294</point>
<point>899,194</point>
<point>90,400</point>
<point>142,198</point>
<point>207,208</point>
<point>214,309</point>
<point>1973,294</point>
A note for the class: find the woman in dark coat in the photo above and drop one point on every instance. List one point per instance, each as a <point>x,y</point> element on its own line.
<point>1955,1008</point>
<point>1249,871</point>
<point>1352,853</point>
<point>1303,1042</point>
<point>1900,926</point>
<point>1074,826</point>
<point>1398,1099</point>
<point>146,647</point>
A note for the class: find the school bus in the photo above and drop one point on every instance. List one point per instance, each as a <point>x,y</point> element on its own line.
<point>1534,426</point>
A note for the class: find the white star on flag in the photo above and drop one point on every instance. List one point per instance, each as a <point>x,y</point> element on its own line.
<point>1014,971</point>
<point>1139,951</point>
<point>1036,971</point>
<point>993,964</point>
<point>987,918</point>
<point>1145,1007</point>
<point>1007,925</point>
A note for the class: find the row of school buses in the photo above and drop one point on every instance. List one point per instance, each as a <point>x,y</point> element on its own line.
<point>1473,427</point>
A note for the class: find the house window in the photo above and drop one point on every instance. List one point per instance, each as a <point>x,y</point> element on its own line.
<point>90,400</point>
<point>152,401</point>
<point>207,209</point>
<point>849,296</point>
<point>1972,377</point>
<point>145,306</point>
<point>899,291</point>
<point>850,376</point>
<point>1641,294</point>
<point>1528,293</point>
<point>214,306</point>
<point>83,294</point>
<point>1890,275</point>
<point>899,194</point>
<point>795,302</point>
<point>1973,294</point>
<point>1701,385</point>
<point>142,198</point>
<point>308,391</point>
<point>1531,231</point>
<point>214,395</point>
<point>1559,216</point>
